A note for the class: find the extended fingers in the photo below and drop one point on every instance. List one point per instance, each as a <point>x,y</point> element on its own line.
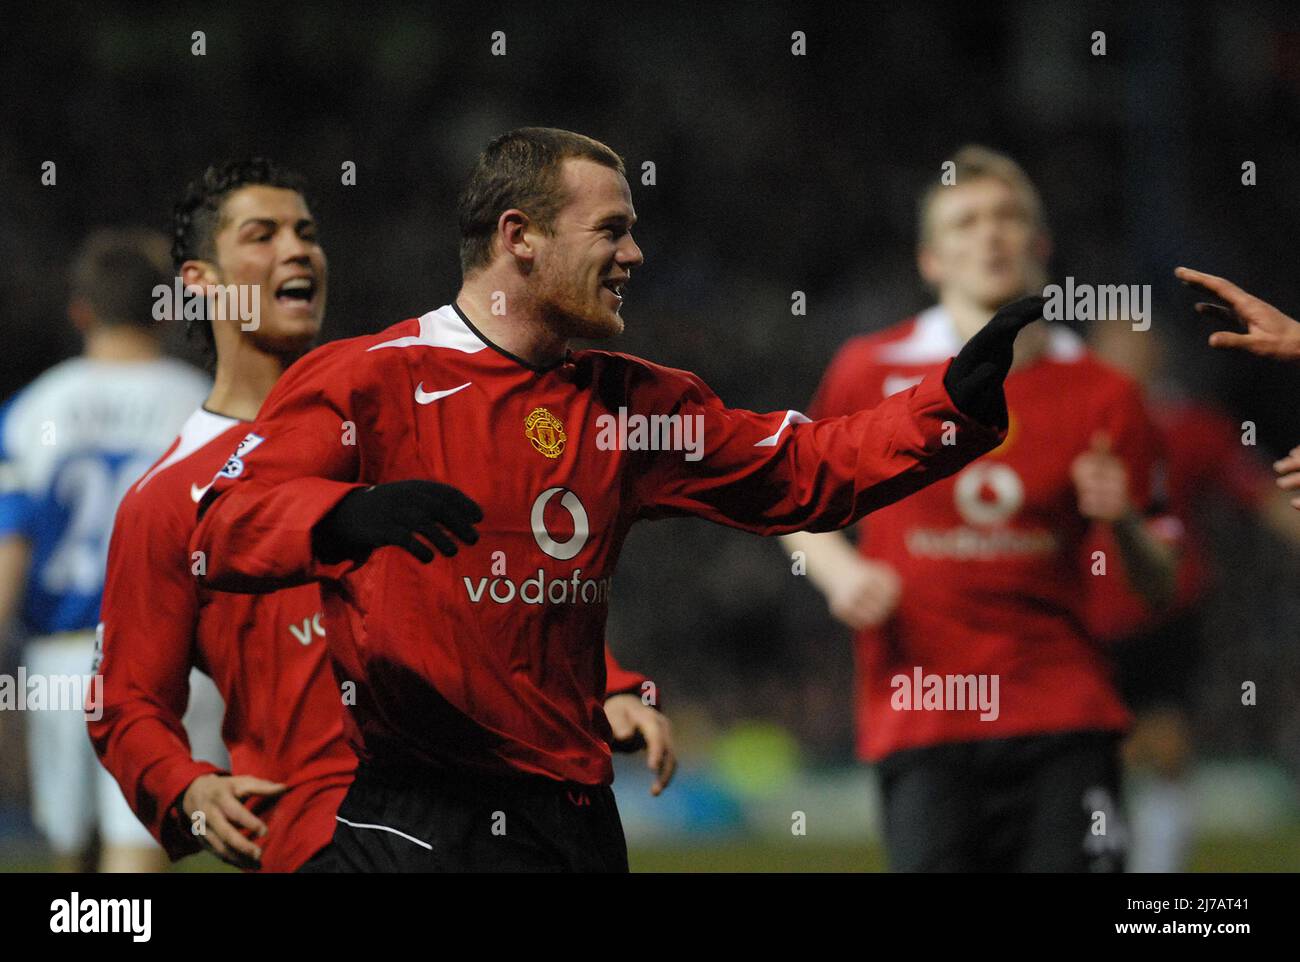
<point>1219,286</point>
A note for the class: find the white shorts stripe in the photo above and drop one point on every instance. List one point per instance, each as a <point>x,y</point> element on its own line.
<point>385,828</point>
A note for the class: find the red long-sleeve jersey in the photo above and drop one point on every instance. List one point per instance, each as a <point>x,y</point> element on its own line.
<point>266,653</point>
<point>491,660</point>
<point>989,559</point>
<point>284,718</point>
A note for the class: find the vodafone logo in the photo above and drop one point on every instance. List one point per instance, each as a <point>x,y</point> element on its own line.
<point>560,551</point>
<point>542,589</point>
<point>988,493</point>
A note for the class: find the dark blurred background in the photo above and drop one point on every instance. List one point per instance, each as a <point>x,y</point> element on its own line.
<point>774,173</point>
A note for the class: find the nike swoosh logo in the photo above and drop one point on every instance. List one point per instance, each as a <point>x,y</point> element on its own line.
<point>897,383</point>
<point>197,493</point>
<point>428,397</point>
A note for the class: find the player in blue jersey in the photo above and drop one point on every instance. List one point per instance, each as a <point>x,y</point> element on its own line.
<point>71,443</point>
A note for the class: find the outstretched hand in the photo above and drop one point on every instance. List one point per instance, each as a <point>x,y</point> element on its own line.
<point>1269,332</point>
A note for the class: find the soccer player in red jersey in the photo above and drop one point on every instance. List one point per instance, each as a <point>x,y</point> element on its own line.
<point>1158,653</point>
<point>989,710</point>
<point>245,223</point>
<point>478,679</point>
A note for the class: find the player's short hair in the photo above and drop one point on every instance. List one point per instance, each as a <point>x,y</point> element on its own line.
<point>196,217</point>
<point>520,169</point>
<point>973,162</point>
<point>115,271</point>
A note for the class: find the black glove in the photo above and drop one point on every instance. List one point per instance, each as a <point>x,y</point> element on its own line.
<point>393,514</point>
<point>974,381</point>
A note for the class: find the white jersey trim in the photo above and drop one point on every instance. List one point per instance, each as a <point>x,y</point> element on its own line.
<point>201,428</point>
<point>934,339</point>
<point>440,328</point>
<point>791,417</point>
<point>1063,344</point>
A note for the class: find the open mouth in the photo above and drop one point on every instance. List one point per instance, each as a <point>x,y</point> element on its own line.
<point>615,286</point>
<point>296,290</point>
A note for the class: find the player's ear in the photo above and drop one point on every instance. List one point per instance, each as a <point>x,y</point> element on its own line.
<point>515,235</point>
<point>200,274</point>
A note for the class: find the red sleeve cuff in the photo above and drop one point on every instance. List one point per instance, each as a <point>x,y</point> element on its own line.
<point>932,397</point>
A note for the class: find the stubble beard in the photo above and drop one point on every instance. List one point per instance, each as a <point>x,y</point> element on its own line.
<point>569,310</point>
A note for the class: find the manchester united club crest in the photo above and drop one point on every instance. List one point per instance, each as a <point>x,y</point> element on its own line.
<point>545,432</point>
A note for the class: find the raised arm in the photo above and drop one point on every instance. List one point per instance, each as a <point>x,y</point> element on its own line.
<point>780,473</point>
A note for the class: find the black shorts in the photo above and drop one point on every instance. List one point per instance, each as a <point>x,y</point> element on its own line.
<point>1159,667</point>
<point>440,821</point>
<point>1025,804</point>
